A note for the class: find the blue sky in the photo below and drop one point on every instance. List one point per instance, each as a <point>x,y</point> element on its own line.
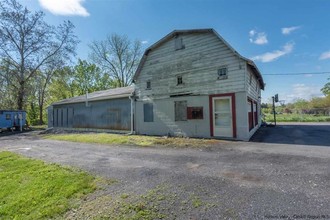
<point>281,36</point>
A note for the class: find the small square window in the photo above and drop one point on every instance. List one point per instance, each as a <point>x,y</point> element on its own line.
<point>148,84</point>
<point>179,80</point>
<point>222,73</point>
<point>195,112</point>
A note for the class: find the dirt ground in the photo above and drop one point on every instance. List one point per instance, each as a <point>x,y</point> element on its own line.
<point>237,180</point>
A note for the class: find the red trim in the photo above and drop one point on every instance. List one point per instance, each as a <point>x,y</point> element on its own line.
<point>253,119</point>
<point>233,109</point>
<point>255,114</point>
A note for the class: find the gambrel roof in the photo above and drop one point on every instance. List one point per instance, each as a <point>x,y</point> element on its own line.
<point>191,31</point>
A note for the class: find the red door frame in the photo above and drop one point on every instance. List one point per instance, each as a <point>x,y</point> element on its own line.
<point>233,111</point>
<point>253,114</point>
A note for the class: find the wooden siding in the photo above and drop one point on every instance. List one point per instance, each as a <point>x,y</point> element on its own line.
<point>253,87</point>
<point>198,63</point>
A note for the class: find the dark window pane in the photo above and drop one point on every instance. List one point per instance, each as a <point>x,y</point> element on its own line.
<point>148,112</point>
<point>180,110</point>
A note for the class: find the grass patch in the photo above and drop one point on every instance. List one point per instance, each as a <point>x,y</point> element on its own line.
<point>38,127</point>
<point>32,189</point>
<point>139,140</point>
<point>297,118</point>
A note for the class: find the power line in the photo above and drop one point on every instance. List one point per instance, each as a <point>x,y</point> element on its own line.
<point>306,73</point>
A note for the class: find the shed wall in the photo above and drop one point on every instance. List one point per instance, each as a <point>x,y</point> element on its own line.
<point>114,114</point>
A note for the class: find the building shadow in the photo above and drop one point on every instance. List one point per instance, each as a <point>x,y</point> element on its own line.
<point>299,134</point>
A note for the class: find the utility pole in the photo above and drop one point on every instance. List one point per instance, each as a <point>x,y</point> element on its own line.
<point>274,109</point>
<point>275,99</point>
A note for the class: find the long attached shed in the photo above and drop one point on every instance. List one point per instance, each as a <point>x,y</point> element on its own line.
<point>107,109</point>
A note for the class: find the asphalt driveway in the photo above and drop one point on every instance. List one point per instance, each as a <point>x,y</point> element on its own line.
<point>235,180</point>
<point>295,133</point>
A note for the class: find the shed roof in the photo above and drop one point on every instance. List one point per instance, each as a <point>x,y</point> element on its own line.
<point>121,92</point>
<point>190,31</point>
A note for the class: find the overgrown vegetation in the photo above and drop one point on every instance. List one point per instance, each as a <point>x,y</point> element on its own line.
<point>32,189</point>
<point>314,110</point>
<point>104,138</point>
<point>296,118</point>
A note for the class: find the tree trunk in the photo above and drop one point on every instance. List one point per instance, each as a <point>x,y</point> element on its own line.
<point>41,121</point>
<point>20,100</point>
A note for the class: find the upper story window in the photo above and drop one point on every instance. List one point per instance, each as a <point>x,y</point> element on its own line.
<point>148,86</point>
<point>179,80</point>
<point>178,43</point>
<point>250,78</point>
<point>223,73</point>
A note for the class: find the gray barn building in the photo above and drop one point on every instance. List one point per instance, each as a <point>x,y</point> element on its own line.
<point>107,109</point>
<point>193,83</point>
<point>189,83</point>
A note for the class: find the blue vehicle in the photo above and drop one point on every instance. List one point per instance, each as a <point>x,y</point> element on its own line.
<point>12,119</point>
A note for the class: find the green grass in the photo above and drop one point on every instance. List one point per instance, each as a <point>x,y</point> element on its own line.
<point>38,127</point>
<point>297,118</point>
<point>32,189</point>
<point>104,138</point>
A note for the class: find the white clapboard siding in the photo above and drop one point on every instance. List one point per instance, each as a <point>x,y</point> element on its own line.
<point>253,87</point>
<point>198,64</point>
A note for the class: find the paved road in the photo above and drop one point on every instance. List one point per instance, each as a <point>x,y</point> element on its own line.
<point>243,180</point>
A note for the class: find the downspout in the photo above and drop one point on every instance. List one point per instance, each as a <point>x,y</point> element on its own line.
<point>131,97</point>
<point>87,98</point>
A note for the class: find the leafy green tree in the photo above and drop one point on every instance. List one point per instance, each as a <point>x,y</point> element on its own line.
<point>326,88</point>
<point>87,77</point>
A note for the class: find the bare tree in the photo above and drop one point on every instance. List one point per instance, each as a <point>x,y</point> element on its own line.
<point>28,43</point>
<point>118,56</point>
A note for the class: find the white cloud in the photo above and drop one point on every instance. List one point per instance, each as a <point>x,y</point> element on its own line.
<point>144,42</point>
<point>258,38</point>
<point>288,30</point>
<point>271,56</point>
<point>301,91</point>
<point>64,7</point>
<point>252,33</point>
<point>325,55</point>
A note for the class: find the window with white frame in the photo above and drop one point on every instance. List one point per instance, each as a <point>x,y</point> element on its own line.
<point>223,73</point>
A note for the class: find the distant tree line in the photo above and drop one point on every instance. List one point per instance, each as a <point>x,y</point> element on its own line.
<point>315,106</point>
<point>38,63</point>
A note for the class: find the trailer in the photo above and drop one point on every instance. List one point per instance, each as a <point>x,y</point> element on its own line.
<point>12,119</point>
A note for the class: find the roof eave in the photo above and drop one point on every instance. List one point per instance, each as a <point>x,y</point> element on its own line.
<point>95,99</point>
